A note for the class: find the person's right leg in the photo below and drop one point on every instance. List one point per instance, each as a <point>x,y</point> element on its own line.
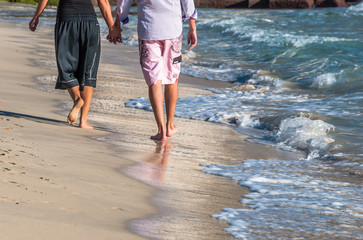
<point>77,104</point>
<point>171,97</point>
<point>156,101</point>
<point>86,95</point>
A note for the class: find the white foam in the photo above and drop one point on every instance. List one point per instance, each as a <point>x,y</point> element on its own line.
<point>189,55</point>
<point>247,121</point>
<point>286,191</point>
<point>245,27</point>
<point>356,9</point>
<point>325,80</point>
<point>204,108</point>
<point>305,134</point>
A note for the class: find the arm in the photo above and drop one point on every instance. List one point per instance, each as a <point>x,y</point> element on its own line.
<point>35,20</point>
<point>122,10</point>
<point>188,9</point>
<point>192,34</point>
<point>118,26</point>
<point>114,32</point>
<point>190,14</point>
<point>117,21</point>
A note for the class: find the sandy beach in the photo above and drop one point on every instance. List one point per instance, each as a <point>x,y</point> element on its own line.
<point>62,182</point>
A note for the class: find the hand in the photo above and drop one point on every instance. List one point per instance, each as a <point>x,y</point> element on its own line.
<point>192,34</point>
<point>33,24</point>
<point>114,35</point>
<point>192,38</point>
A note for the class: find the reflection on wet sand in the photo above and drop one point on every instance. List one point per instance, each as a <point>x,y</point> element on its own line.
<point>152,170</point>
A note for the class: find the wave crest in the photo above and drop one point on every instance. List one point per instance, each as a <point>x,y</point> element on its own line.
<point>305,134</point>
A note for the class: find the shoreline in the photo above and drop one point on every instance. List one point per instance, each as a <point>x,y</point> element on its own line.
<point>185,193</point>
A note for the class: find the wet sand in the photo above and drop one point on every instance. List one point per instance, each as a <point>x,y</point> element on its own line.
<point>62,182</point>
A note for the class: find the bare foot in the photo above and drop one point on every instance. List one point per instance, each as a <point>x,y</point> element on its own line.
<point>73,114</point>
<point>171,131</point>
<point>85,126</point>
<point>158,137</point>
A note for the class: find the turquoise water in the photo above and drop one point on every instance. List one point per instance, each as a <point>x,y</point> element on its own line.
<point>304,71</point>
<point>312,56</point>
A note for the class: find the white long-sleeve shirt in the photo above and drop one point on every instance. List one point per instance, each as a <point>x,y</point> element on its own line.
<point>158,19</point>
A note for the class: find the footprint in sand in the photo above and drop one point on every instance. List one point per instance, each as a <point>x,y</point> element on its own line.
<point>100,186</point>
<point>117,209</point>
<point>6,199</point>
<point>15,183</point>
<point>10,171</point>
<point>68,209</point>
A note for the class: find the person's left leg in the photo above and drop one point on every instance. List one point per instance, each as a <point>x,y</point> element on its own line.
<point>86,95</point>
<point>171,97</point>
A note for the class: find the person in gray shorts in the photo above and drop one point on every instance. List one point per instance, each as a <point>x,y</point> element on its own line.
<point>77,47</point>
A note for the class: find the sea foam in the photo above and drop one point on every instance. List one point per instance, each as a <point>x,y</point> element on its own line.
<point>286,191</point>
<point>324,81</point>
<point>305,134</point>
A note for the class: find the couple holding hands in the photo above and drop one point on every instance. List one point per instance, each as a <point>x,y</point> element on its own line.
<point>77,47</point>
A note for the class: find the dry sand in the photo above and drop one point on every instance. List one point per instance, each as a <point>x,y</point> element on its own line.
<point>62,182</point>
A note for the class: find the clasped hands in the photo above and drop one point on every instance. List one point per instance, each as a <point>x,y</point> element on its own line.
<point>114,35</point>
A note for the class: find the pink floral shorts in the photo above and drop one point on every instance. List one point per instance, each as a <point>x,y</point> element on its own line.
<point>160,60</point>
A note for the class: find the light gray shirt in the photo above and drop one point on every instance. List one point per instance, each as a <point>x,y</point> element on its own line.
<point>158,19</point>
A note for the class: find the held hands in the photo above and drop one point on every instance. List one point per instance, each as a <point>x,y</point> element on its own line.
<point>33,24</point>
<point>114,35</point>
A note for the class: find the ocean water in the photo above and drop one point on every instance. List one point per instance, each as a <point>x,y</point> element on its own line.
<point>296,84</point>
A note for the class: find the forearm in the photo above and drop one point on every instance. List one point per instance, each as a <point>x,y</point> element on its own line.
<point>192,25</point>
<point>40,8</point>
<point>105,8</point>
<point>117,21</point>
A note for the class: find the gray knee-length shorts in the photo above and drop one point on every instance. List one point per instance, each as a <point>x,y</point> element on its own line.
<point>77,47</point>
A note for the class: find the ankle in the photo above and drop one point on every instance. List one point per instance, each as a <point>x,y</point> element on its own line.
<point>78,100</point>
<point>83,120</point>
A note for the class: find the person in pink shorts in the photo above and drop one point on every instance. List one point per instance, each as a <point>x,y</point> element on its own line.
<point>160,25</point>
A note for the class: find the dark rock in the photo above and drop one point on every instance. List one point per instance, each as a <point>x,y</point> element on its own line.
<point>353,1</point>
<point>330,3</point>
<point>242,4</point>
<point>221,3</point>
<point>278,4</point>
<point>258,4</point>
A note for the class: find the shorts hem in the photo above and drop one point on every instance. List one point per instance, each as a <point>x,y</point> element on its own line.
<point>65,85</point>
<point>168,82</point>
<point>91,82</point>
